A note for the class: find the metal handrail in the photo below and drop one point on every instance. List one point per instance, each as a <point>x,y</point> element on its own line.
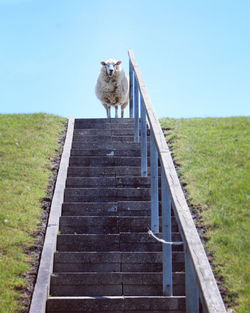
<point>201,288</point>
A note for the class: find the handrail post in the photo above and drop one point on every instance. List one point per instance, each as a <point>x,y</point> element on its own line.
<point>136,109</point>
<point>144,154</point>
<point>131,91</point>
<point>192,291</point>
<point>154,178</point>
<point>166,234</point>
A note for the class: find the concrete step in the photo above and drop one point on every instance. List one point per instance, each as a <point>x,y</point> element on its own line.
<point>120,208</point>
<point>90,171</point>
<point>106,224</point>
<point>102,161</point>
<point>124,181</point>
<point>129,131</point>
<point>102,123</point>
<point>116,304</point>
<point>113,284</point>
<point>104,139</point>
<point>107,152</point>
<point>124,242</point>
<point>106,194</point>
<point>114,262</point>
<point>106,145</point>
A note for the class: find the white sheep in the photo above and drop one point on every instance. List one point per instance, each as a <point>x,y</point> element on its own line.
<point>112,87</point>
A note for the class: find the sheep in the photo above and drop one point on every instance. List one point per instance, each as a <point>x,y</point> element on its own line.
<point>112,87</point>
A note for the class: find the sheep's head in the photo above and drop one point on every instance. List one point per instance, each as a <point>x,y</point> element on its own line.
<point>111,66</point>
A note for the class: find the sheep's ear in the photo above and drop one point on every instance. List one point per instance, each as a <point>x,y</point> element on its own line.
<point>118,62</point>
<point>103,63</point>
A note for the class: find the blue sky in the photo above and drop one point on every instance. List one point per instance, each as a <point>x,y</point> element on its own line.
<point>194,54</point>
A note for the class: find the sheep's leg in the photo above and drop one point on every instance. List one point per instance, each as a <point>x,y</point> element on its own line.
<point>116,111</point>
<point>108,112</point>
<point>123,106</point>
<point>107,107</point>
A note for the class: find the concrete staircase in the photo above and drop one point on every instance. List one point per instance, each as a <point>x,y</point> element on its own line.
<point>105,260</point>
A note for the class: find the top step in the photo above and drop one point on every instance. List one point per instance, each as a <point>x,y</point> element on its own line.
<point>104,123</point>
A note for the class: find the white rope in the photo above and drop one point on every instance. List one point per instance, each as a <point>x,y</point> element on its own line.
<point>164,241</point>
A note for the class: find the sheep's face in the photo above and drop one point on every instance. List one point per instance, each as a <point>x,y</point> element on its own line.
<point>111,66</point>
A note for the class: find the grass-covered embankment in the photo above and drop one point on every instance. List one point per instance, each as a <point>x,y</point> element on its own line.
<point>28,143</point>
<point>214,163</point>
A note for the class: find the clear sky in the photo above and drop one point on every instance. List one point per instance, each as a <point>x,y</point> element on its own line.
<point>194,54</point>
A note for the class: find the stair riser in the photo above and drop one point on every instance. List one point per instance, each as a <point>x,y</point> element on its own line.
<point>116,267</point>
<point>113,290</point>
<point>106,243</point>
<point>104,123</point>
<point>108,182</point>
<point>114,262</point>
<point>116,284</point>
<point>105,194</point>
<point>77,211</point>
<point>106,139</point>
<point>139,208</point>
<point>128,131</point>
<point>106,152</point>
<point>106,225</point>
<point>104,120</point>
<point>117,305</point>
<point>105,161</point>
<point>101,194</point>
<point>106,228</point>
<point>104,171</point>
<point>109,146</point>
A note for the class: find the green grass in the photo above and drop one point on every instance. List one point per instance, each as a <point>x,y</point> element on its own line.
<point>214,162</point>
<point>28,142</point>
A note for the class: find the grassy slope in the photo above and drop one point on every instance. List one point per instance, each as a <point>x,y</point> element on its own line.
<point>27,143</point>
<point>213,155</point>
